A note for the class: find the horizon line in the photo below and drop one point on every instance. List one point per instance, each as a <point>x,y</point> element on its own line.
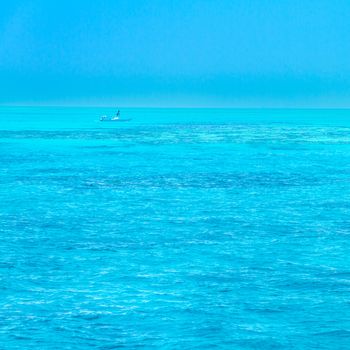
<point>174,107</point>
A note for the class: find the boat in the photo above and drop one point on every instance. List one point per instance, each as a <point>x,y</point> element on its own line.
<point>105,118</point>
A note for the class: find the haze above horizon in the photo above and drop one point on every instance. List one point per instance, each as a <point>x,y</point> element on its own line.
<point>167,53</point>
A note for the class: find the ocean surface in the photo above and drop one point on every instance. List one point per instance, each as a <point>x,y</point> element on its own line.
<point>182,229</point>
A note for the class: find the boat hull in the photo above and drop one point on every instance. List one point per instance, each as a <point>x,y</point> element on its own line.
<point>115,120</point>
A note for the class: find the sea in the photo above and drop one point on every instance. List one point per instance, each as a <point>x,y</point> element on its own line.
<point>180,229</point>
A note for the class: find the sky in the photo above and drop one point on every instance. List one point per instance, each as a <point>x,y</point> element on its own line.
<point>175,53</point>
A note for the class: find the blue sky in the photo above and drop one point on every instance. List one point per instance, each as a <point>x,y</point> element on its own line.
<point>238,53</point>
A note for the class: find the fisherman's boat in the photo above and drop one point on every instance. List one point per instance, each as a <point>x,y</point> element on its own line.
<point>105,118</point>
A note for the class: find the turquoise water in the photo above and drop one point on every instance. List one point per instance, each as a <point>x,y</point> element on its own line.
<point>182,229</point>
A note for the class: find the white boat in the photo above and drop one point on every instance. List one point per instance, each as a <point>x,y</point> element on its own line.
<point>106,118</point>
